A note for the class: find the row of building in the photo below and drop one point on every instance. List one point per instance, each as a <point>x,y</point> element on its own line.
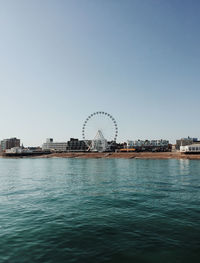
<point>76,145</point>
<point>188,145</point>
<point>140,143</point>
<point>148,145</point>
<point>71,145</point>
<point>186,141</point>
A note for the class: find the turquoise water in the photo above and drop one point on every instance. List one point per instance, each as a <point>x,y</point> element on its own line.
<point>99,210</point>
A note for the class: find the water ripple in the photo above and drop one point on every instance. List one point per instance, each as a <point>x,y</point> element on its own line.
<point>73,210</point>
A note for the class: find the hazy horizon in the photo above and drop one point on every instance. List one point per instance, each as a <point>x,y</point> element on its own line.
<point>63,60</point>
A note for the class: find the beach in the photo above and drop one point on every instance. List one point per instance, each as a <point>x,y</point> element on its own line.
<point>138,155</point>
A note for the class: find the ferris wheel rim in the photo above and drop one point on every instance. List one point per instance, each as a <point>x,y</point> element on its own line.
<point>99,113</point>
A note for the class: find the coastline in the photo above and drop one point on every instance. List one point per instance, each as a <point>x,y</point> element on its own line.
<point>115,155</point>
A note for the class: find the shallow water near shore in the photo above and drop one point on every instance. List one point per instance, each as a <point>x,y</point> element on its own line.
<point>99,210</point>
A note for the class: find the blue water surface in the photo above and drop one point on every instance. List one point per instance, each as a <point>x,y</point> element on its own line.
<point>99,210</point>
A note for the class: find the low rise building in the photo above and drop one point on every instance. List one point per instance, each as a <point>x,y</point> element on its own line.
<point>18,150</point>
<point>148,145</point>
<point>54,146</point>
<point>186,141</point>
<point>193,148</point>
<point>72,145</point>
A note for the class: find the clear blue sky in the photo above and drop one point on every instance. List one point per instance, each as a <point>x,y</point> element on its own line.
<point>62,60</point>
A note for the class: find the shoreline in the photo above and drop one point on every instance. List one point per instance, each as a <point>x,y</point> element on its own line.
<point>116,155</point>
<point>140,155</point>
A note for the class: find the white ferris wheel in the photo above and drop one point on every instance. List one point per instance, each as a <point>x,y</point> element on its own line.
<point>99,131</point>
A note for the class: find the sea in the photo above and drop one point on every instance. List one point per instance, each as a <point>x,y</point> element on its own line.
<point>99,210</point>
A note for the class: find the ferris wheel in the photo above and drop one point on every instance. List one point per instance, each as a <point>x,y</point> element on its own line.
<point>99,128</point>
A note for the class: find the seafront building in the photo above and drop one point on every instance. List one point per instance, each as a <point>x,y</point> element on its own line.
<point>193,148</point>
<point>18,150</point>
<point>54,146</point>
<point>186,141</point>
<point>76,145</point>
<point>9,143</point>
<point>72,145</point>
<point>141,143</point>
<point>147,145</point>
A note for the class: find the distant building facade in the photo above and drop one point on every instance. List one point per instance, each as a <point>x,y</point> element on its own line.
<point>193,148</point>
<point>76,145</point>
<point>186,141</point>
<point>54,146</point>
<point>9,143</point>
<point>148,145</point>
<point>17,150</point>
<point>72,145</point>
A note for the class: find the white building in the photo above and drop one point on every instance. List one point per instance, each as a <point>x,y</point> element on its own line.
<point>193,148</point>
<point>99,143</point>
<point>54,146</point>
<point>140,143</point>
<point>18,150</point>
